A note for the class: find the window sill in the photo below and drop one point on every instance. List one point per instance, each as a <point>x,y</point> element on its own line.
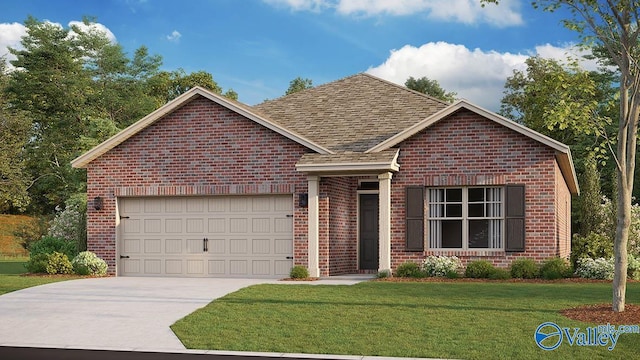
<point>468,252</point>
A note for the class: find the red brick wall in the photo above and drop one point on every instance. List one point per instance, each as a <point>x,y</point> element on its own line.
<point>467,149</point>
<point>199,149</point>
<point>342,225</point>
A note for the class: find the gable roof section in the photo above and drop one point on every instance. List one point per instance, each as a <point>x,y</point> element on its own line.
<point>246,111</point>
<point>352,114</point>
<point>563,153</point>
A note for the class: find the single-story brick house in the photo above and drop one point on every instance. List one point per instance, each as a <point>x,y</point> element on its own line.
<point>357,175</point>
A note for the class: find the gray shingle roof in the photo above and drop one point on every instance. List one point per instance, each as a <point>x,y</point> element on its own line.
<point>352,114</point>
<point>384,156</point>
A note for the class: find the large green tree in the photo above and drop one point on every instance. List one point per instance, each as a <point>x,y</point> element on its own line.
<point>14,131</point>
<point>431,88</point>
<point>613,25</point>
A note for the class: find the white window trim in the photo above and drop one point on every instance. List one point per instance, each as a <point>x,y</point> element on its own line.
<point>465,219</point>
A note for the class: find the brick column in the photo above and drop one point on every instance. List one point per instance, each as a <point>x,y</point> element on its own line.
<point>313,226</point>
<point>384,241</point>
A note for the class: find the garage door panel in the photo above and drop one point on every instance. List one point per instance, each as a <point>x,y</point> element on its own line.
<point>217,225</point>
<point>247,236</point>
<point>261,246</point>
<point>238,225</point>
<point>173,246</point>
<point>152,246</point>
<point>152,226</point>
<point>217,246</point>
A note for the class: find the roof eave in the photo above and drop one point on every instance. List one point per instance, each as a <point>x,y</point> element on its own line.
<point>342,168</point>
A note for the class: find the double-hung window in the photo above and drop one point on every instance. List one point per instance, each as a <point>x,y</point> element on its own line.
<point>466,218</point>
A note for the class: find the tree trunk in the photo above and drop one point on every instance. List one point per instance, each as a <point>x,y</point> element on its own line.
<point>620,244</point>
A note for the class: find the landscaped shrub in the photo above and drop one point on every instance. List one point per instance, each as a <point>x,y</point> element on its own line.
<point>479,269</point>
<point>37,264</point>
<point>633,268</point>
<point>592,246</point>
<point>409,269</point>
<point>599,268</point>
<point>58,263</point>
<point>383,274</point>
<point>499,274</point>
<point>48,245</point>
<point>555,268</point>
<point>441,266</point>
<point>524,268</point>
<point>71,223</point>
<point>299,272</point>
<point>87,263</point>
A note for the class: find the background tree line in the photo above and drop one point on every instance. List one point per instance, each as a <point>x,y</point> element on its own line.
<point>68,90</point>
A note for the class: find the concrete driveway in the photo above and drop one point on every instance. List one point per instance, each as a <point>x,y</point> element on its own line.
<point>116,313</point>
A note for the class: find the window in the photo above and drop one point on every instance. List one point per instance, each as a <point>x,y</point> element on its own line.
<point>466,218</point>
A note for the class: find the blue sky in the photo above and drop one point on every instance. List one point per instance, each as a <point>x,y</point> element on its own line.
<point>257,46</point>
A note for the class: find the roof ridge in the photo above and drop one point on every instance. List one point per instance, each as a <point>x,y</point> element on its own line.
<point>406,88</point>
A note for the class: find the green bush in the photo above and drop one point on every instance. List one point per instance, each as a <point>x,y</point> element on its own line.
<point>499,274</point>
<point>299,272</point>
<point>633,267</point>
<point>58,263</point>
<point>409,269</point>
<point>37,264</point>
<point>479,269</point>
<point>49,245</point>
<point>87,263</point>
<point>555,268</point>
<point>383,274</point>
<point>593,246</point>
<point>452,274</point>
<point>524,268</point>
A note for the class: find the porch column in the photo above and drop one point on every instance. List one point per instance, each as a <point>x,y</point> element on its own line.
<point>313,226</point>
<point>384,223</point>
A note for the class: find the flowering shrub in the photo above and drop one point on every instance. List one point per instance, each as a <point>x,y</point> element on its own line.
<point>58,263</point>
<point>599,268</point>
<point>633,269</point>
<point>441,265</point>
<point>68,224</point>
<point>87,263</point>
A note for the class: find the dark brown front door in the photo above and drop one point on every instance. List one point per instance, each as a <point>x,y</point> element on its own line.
<point>368,231</point>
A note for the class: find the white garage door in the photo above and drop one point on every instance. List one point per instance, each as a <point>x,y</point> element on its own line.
<point>220,236</point>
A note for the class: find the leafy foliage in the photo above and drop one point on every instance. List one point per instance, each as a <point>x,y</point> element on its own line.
<point>31,231</point>
<point>441,266</point>
<point>555,268</point>
<point>299,272</point>
<point>524,268</point>
<point>88,263</point>
<point>37,263</point>
<point>479,269</point>
<point>70,224</point>
<point>49,245</point>
<point>430,87</point>
<point>299,84</point>
<point>58,263</point>
<point>409,269</point>
<point>599,268</point>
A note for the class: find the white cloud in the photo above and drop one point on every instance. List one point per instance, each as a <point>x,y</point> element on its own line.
<point>94,27</point>
<point>461,11</point>
<point>174,36</point>
<point>475,74</point>
<point>10,36</point>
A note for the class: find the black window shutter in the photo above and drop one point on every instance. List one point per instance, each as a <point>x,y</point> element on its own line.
<point>514,217</point>
<point>414,224</point>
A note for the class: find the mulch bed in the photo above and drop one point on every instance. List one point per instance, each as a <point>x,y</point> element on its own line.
<point>603,314</point>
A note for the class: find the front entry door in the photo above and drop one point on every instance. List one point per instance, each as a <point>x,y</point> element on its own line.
<point>368,231</point>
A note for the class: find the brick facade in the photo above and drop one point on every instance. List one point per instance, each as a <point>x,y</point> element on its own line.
<point>467,149</point>
<point>200,149</point>
<point>203,148</point>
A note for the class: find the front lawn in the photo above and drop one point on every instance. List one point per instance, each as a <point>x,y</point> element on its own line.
<point>12,279</point>
<point>462,320</point>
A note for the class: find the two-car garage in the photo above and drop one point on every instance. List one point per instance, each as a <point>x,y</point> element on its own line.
<point>211,236</point>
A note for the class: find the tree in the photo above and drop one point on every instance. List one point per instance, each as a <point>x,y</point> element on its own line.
<point>613,25</point>
<point>299,84</point>
<point>431,88</point>
<point>168,85</point>
<point>14,131</point>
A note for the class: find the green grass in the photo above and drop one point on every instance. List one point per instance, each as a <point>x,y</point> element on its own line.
<point>461,320</point>
<point>11,278</point>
